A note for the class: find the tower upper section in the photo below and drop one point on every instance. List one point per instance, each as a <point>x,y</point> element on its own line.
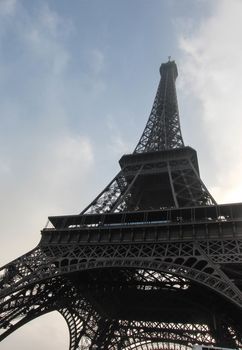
<point>162,131</point>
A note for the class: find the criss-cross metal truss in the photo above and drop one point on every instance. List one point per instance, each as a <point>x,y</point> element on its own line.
<point>152,263</point>
<point>163,130</point>
<point>154,180</point>
<point>161,172</point>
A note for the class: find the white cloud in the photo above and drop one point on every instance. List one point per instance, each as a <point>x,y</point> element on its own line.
<point>44,165</point>
<point>212,71</point>
<point>97,61</point>
<point>117,143</point>
<point>70,161</point>
<point>4,168</point>
<point>7,7</point>
<point>43,37</point>
<point>51,183</point>
<point>44,162</point>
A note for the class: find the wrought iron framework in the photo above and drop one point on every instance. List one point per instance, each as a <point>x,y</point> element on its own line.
<point>152,263</point>
<point>163,130</point>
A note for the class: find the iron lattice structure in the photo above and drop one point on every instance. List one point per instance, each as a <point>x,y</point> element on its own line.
<point>152,263</point>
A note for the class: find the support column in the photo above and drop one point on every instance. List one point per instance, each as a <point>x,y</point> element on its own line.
<point>221,332</point>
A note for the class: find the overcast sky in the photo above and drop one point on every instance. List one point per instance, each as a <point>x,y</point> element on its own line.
<point>77,83</point>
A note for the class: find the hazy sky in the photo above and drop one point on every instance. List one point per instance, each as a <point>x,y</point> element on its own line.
<point>77,83</point>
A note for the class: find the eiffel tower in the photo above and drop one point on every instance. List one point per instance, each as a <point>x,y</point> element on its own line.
<point>152,263</point>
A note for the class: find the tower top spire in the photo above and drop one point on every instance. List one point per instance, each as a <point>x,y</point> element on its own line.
<point>163,130</point>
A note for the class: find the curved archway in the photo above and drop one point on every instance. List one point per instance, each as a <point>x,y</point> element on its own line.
<point>185,272</point>
<point>200,272</point>
<point>158,346</point>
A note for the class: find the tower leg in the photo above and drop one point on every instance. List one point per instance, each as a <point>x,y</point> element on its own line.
<point>221,333</point>
<point>82,323</point>
<point>75,325</point>
<point>104,338</point>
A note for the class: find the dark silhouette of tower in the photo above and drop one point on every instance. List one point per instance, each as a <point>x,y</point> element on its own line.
<point>152,263</point>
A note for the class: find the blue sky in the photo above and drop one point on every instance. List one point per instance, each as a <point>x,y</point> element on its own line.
<point>77,83</point>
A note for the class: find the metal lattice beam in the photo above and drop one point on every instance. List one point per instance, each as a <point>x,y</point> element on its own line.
<point>162,130</point>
